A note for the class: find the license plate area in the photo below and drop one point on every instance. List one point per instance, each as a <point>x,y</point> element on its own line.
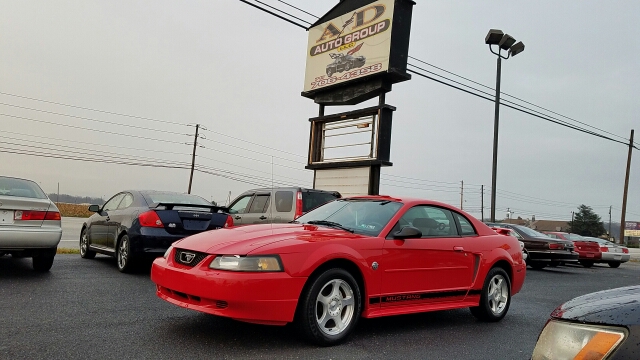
<point>6,217</point>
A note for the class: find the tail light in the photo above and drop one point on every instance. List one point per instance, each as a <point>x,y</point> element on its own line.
<point>625,250</point>
<point>298,205</point>
<point>26,215</point>
<point>229,222</point>
<point>556,246</point>
<point>604,249</point>
<point>150,219</point>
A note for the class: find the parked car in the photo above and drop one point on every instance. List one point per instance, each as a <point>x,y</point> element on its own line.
<point>588,251</point>
<point>600,325</point>
<point>358,257</point>
<point>143,224</point>
<point>277,205</point>
<point>542,250</point>
<point>344,62</point>
<point>29,222</point>
<point>612,254</point>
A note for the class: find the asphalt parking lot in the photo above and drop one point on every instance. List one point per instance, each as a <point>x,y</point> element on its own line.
<point>86,309</point>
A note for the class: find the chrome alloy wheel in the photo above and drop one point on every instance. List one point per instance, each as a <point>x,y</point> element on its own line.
<point>498,294</point>
<point>123,253</point>
<point>334,307</point>
<point>84,244</point>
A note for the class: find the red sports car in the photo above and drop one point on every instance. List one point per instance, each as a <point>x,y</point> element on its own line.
<point>357,257</point>
<point>589,251</point>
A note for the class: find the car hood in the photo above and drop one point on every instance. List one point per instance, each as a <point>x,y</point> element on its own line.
<point>620,306</point>
<point>243,240</point>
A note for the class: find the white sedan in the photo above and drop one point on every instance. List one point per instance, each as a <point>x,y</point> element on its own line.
<point>29,222</point>
<point>612,254</point>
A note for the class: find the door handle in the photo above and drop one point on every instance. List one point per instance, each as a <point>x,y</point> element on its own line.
<point>237,217</point>
<point>262,217</point>
<point>458,248</point>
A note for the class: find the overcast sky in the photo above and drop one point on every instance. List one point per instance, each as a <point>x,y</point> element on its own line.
<point>239,72</point>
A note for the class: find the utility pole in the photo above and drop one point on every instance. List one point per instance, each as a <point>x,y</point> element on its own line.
<point>626,189</point>
<point>609,233</point>
<point>571,227</point>
<point>481,202</point>
<point>58,196</point>
<point>193,157</point>
<point>461,193</point>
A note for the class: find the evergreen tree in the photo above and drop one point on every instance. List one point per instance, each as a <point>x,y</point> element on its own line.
<point>586,222</point>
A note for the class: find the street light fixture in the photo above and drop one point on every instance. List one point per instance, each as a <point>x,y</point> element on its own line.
<point>507,43</point>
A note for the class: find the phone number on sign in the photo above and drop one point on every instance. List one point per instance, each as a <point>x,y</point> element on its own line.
<point>324,81</point>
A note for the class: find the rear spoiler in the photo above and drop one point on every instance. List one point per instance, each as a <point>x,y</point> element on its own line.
<point>501,231</point>
<point>170,206</point>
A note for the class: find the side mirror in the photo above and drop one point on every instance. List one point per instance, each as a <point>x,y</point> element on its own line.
<point>407,232</point>
<point>94,208</point>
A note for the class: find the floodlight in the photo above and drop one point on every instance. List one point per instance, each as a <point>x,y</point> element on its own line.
<point>516,49</point>
<point>493,37</point>
<point>506,42</point>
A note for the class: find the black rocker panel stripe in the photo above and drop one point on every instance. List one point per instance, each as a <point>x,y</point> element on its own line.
<point>422,296</point>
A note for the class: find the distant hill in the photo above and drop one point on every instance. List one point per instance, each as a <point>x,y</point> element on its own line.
<point>71,199</point>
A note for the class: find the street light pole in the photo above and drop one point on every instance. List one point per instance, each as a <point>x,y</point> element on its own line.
<point>496,121</point>
<point>507,43</point>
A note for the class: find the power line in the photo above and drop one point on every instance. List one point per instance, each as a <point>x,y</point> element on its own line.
<point>250,150</point>
<point>274,14</point>
<point>308,13</point>
<point>252,143</point>
<point>96,110</point>
<point>282,11</point>
<point>96,120</point>
<point>95,130</point>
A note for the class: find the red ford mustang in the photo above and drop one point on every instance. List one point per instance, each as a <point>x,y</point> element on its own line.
<point>357,257</point>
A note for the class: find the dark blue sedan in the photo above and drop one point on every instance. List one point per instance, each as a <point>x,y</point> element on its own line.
<point>134,225</point>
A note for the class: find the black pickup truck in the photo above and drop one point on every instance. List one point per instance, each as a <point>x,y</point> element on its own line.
<point>134,225</point>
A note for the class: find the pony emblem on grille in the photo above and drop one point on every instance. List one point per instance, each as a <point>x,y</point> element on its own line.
<point>186,257</point>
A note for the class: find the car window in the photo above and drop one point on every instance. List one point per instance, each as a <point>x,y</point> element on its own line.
<point>466,228</point>
<point>430,220</point>
<point>126,201</point>
<point>284,201</point>
<point>112,204</point>
<point>552,235</point>
<point>260,204</point>
<point>20,188</point>
<point>239,206</point>
<point>174,198</point>
<point>313,199</point>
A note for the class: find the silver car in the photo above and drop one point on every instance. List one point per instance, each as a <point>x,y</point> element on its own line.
<point>29,222</point>
<point>612,254</point>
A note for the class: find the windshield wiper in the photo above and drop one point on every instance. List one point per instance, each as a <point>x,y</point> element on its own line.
<point>331,224</point>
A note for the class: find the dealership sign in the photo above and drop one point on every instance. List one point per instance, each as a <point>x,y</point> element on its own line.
<point>632,228</point>
<point>350,46</point>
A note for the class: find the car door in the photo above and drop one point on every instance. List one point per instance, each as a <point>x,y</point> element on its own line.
<point>258,210</point>
<point>239,207</point>
<point>435,267</point>
<point>99,230</point>
<point>283,204</point>
<point>115,219</point>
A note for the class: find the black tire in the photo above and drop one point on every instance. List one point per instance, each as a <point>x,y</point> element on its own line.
<point>347,66</point>
<point>85,253</point>
<point>330,72</point>
<point>124,258</point>
<point>614,264</point>
<point>495,297</point>
<point>537,265</point>
<point>44,260</point>
<point>343,300</point>
<point>586,263</point>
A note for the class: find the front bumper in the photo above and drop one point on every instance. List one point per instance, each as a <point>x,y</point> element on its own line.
<point>22,238</point>
<point>262,298</point>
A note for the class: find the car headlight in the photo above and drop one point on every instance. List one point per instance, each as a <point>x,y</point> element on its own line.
<point>266,263</point>
<point>166,253</point>
<point>561,340</point>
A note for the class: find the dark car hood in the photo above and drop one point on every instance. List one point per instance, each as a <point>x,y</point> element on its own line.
<point>242,240</point>
<point>620,306</point>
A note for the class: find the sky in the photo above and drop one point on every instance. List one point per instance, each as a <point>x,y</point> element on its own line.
<point>126,81</point>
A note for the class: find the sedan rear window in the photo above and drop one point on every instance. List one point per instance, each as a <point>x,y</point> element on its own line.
<point>20,188</point>
<point>175,198</point>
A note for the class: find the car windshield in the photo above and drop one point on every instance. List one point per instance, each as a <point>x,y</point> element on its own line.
<point>573,237</point>
<point>20,188</point>
<point>362,216</point>
<point>175,198</point>
<point>530,232</point>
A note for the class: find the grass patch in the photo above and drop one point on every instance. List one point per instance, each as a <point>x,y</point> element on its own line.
<point>68,251</point>
<point>74,210</point>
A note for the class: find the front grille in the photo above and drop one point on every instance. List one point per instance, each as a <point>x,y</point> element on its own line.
<point>188,258</point>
